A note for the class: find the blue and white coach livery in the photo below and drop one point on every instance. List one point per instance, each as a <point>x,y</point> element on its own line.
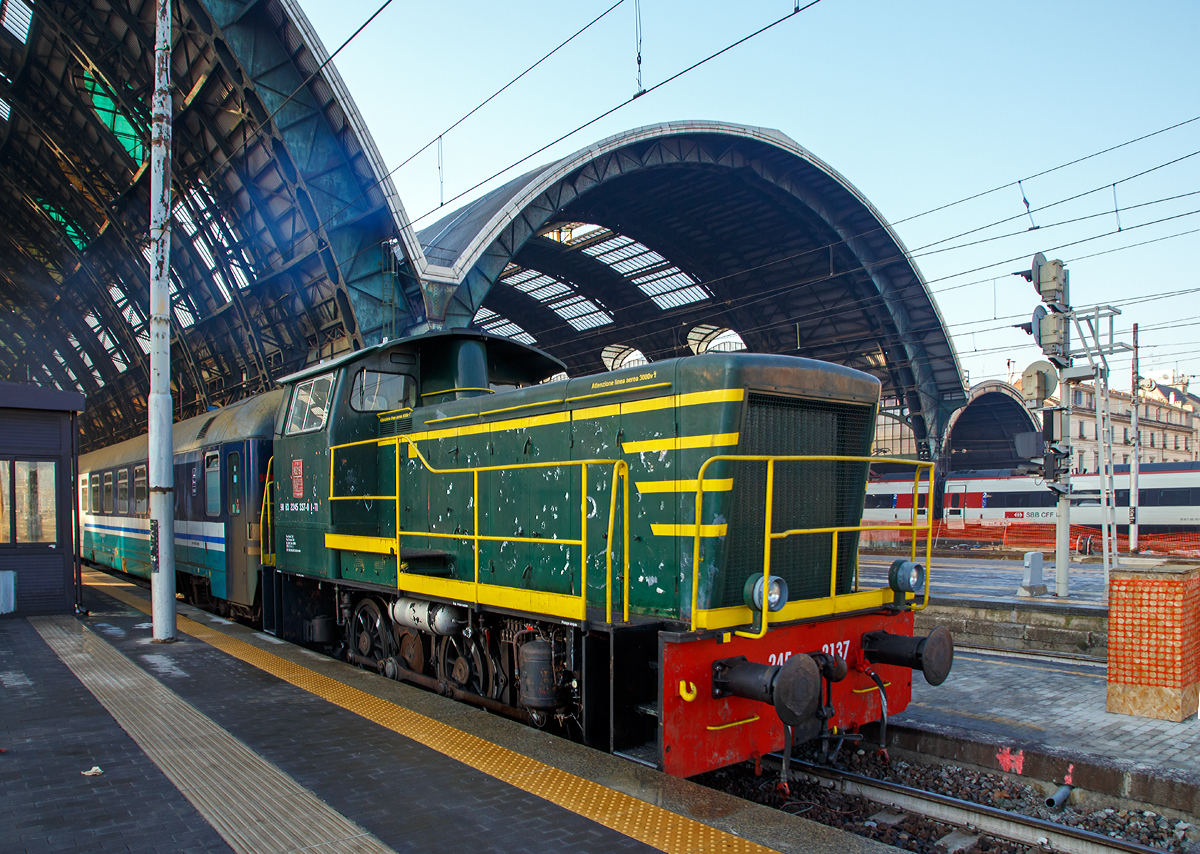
<point>220,466</point>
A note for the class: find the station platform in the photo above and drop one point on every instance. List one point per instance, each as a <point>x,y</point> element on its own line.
<point>230,740</point>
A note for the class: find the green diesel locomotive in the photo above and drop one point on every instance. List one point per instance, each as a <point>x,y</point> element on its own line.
<point>659,561</point>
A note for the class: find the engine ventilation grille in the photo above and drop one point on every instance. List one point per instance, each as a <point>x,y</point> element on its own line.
<point>806,495</point>
<point>395,426</point>
<point>204,430</point>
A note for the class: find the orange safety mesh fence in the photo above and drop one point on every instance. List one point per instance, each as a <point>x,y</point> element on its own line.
<point>1154,631</point>
<point>1085,539</point>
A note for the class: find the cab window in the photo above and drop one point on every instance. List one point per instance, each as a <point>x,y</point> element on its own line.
<point>374,391</point>
<point>310,405</point>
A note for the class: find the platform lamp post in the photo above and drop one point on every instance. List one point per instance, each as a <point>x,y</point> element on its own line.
<point>159,406</point>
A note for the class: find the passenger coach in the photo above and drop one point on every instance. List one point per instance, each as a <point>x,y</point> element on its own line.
<point>220,466</point>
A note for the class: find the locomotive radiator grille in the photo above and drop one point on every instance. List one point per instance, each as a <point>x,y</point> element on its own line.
<point>806,494</point>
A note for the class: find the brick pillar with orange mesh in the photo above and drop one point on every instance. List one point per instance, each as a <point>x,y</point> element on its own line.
<point>1154,642</point>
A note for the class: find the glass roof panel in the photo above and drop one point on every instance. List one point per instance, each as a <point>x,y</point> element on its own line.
<point>497,324</point>
<point>559,295</point>
<point>74,233</point>
<point>649,271</point>
<point>17,17</point>
<point>112,117</point>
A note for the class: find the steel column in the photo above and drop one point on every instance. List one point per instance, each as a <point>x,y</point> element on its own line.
<point>162,509</point>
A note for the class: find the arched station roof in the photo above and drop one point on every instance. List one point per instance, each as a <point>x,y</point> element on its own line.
<point>289,243</point>
<point>283,212</point>
<point>981,435</point>
<point>642,237</point>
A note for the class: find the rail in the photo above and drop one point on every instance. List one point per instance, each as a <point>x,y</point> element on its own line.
<point>1025,830</point>
<point>729,617</point>
<point>266,522</point>
<point>557,604</point>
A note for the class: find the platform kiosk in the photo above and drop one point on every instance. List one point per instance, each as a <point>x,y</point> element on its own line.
<point>38,572</point>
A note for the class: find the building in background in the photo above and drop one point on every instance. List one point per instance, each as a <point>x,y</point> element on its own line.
<point>1166,420</point>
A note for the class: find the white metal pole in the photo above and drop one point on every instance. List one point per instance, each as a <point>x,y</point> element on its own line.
<point>1062,529</point>
<point>1137,452</point>
<point>162,510</point>
<point>1107,529</point>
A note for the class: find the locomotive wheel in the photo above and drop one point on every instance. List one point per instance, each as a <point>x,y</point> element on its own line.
<point>370,633</point>
<point>410,648</point>
<point>466,663</point>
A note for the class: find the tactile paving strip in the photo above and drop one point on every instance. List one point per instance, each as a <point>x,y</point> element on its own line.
<point>645,822</point>
<point>255,807</point>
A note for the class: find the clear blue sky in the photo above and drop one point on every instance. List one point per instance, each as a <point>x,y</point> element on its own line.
<point>917,104</point>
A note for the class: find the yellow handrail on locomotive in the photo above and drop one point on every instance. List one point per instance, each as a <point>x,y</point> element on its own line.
<point>620,472</point>
<point>266,522</point>
<point>698,615</point>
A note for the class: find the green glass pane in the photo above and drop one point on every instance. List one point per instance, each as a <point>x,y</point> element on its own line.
<point>114,119</point>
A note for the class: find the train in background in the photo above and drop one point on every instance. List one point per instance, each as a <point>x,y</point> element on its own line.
<point>220,469</point>
<point>588,555</point>
<point>1168,498</point>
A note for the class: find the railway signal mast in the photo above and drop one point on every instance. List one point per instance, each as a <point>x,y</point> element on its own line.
<point>1051,327</point>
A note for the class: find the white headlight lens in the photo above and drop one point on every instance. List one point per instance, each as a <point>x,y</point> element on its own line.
<point>777,597</point>
<point>777,593</point>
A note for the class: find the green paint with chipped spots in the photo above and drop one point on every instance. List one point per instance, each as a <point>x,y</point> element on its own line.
<point>541,424</point>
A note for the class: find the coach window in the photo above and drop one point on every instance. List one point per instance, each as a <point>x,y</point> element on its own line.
<point>35,501</point>
<point>94,494</point>
<point>123,491</point>
<point>379,392</point>
<point>212,484</point>
<point>310,405</point>
<point>108,492</point>
<point>83,496</point>
<point>141,496</point>
<point>234,461</point>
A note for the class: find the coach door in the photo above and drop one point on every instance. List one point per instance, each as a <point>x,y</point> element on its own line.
<point>236,540</point>
<point>956,502</point>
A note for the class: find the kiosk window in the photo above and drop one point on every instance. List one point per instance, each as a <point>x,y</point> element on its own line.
<point>310,405</point>
<point>35,501</point>
<point>141,495</point>
<point>212,484</point>
<point>123,491</point>
<point>234,461</point>
<point>5,502</point>
<point>378,392</point>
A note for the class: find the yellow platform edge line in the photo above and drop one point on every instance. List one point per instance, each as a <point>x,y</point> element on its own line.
<point>653,825</point>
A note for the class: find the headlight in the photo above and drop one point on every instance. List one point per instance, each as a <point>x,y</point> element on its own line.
<point>777,593</point>
<point>906,577</point>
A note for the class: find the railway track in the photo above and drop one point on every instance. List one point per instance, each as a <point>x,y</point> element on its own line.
<point>990,821</point>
